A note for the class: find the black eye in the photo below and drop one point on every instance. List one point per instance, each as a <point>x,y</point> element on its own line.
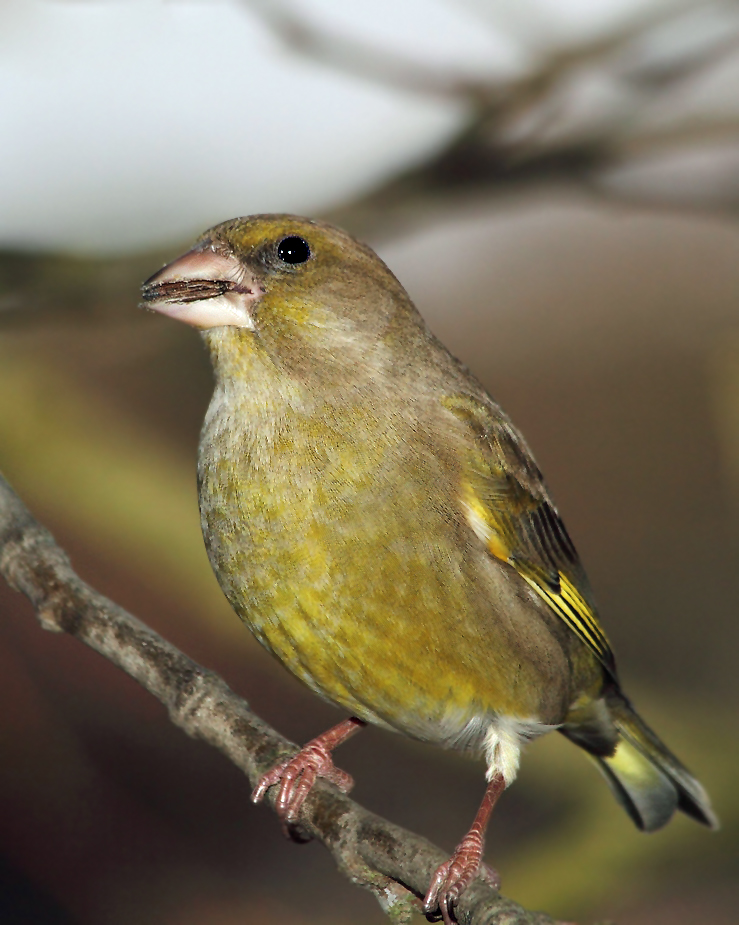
<point>293,249</point>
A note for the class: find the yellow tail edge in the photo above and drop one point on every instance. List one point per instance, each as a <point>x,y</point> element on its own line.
<point>646,778</point>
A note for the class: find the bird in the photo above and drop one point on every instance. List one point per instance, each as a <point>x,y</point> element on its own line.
<point>382,528</point>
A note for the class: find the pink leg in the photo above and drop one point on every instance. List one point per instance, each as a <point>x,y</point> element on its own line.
<point>454,876</point>
<point>297,775</point>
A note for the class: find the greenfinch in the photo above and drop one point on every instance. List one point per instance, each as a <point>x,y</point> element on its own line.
<point>380,525</point>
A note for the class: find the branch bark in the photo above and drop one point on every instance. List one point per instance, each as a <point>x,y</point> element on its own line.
<point>393,863</point>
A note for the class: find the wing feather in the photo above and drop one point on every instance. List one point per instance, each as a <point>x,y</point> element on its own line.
<point>511,510</point>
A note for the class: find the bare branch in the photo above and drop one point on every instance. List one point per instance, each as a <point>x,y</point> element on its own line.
<point>355,57</point>
<point>394,864</point>
<point>577,112</point>
<point>402,72</point>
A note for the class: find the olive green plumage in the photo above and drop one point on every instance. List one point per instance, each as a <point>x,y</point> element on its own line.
<point>382,528</point>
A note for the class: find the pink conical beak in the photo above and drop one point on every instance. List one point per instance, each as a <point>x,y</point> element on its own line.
<point>204,288</point>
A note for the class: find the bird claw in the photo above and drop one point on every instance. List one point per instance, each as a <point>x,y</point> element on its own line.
<point>454,876</point>
<point>296,777</point>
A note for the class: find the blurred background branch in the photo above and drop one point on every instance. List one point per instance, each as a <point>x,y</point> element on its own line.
<point>582,114</point>
<point>645,114</point>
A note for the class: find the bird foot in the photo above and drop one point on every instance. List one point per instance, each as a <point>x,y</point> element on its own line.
<point>297,775</point>
<point>455,875</point>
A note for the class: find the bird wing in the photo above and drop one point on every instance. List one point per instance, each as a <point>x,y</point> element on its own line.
<point>508,506</point>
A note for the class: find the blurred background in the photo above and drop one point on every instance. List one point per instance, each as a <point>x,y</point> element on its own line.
<point>557,184</point>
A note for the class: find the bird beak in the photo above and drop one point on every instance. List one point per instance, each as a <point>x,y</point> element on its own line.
<point>204,288</point>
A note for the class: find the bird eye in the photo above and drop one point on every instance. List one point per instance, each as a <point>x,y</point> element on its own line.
<point>293,249</point>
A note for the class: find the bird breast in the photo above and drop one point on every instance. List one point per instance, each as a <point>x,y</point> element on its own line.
<point>329,547</point>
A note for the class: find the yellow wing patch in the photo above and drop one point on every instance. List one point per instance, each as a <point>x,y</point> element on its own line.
<point>484,526</point>
<point>548,580</point>
<point>569,604</point>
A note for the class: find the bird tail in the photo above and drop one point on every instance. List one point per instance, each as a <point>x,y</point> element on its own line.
<point>646,778</point>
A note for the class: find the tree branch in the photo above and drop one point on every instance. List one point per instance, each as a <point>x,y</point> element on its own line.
<point>572,116</point>
<point>394,864</point>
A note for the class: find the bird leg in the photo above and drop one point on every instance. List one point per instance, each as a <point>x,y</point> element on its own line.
<point>297,775</point>
<point>456,874</point>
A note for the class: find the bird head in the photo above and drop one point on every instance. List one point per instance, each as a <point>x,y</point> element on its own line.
<point>300,293</point>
